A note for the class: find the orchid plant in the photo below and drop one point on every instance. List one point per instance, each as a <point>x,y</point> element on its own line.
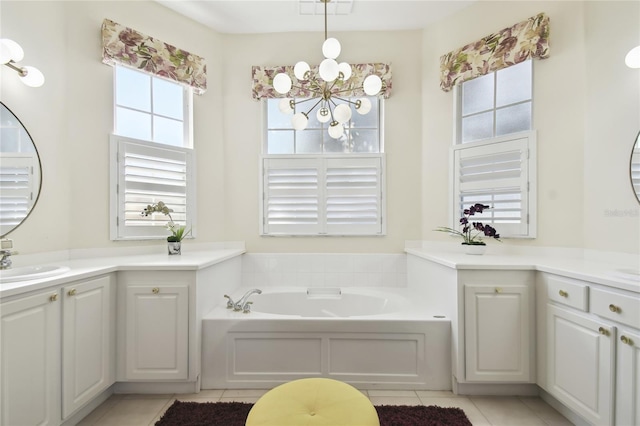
<point>178,232</point>
<point>472,232</point>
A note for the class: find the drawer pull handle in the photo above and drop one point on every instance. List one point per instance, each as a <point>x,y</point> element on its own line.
<point>626,340</point>
<point>53,297</point>
<point>72,292</point>
<point>563,293</point>
<point>603,331</point>
<point>498,290</point>
<point>155,290</point>
<point>614,308</point>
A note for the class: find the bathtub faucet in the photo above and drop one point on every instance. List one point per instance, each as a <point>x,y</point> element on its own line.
<point>243,303</point>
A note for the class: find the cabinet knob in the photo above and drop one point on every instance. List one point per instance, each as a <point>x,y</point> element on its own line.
<point>155,290</point>
<point>72,292</point>
<point>624,339</point>
<point>614,308</point>
<point>498,290</point>
<point>563,293</point>
<point>603,331</point>
<point>53,297</point>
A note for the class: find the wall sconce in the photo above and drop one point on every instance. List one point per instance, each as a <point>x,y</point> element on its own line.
<point>10,53</point>
<point>633,58</point>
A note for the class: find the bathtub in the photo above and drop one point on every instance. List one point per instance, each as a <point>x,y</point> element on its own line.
<point>371,338</point>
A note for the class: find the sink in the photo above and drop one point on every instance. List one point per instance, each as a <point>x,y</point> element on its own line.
<point>26,273</point>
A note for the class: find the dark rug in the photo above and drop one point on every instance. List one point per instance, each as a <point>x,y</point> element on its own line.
<point>235,414</point>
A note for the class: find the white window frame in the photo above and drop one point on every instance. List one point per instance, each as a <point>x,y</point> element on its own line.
<point>525,179</point>
<point>319,168</point>
<point>118,180</point>
<point>319,162</point>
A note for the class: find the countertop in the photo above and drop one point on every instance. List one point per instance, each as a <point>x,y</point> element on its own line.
<point>610,274</point>
<point>90,267</point>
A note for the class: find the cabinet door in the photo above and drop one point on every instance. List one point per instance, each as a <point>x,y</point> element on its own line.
<point>580,362</point>
<point>30,360</point>
<point>157,332</point>
<point>498,333</point>
<point>86,345</point>
<point>628,378</point>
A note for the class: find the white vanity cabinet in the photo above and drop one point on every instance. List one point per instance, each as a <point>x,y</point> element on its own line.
<point>592,358</point>
<point>30,359</point>
<point>88,341</point>
<point>499,338</point>
<point>153,325</point>
<point>498,332</point>
<point>66,329</point>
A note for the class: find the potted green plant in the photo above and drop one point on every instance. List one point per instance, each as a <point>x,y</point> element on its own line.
<point>472,232</point>
<point>178,232</point>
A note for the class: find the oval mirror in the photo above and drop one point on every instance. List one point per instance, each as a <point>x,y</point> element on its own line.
<point>20,172</point>
<point>634,167</point>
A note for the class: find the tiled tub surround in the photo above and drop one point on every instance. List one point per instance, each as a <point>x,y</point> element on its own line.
<point>324,270</point>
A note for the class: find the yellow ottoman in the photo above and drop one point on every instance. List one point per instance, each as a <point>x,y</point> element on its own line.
<point>314,401</point>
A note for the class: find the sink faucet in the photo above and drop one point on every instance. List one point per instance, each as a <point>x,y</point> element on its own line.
<point>5,251</point>
<point>243,304</point>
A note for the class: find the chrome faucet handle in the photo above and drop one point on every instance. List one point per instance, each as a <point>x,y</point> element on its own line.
<point>247,308</point>
<point>230,302</point>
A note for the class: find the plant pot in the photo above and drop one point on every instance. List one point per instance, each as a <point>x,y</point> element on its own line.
<point>174,247</point>
<point>476,249</point>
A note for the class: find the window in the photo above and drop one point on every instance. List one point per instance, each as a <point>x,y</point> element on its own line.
<point>494,155</point>
<point>151,154</point>
<point>496,104</point>
<point>316,185</point>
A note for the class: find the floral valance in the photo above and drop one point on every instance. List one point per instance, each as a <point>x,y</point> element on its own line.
<point>263,81</point>
<point>124,46</point>
<point>525,40</point>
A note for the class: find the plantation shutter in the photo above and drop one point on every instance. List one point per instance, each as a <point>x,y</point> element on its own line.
<point>147,173</point>
<point>322,196</point>
<point>18,173</point>
<point>495,174</point>
<point>353,196</point>
<point>635,169</point>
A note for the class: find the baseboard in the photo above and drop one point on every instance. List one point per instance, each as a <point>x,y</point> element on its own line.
<point>156,387</point>
<point>562,409</point>
<point>496,389</point>
<point>92,405</point>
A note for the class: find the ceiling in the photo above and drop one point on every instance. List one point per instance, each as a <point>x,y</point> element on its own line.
<point>270,16</point>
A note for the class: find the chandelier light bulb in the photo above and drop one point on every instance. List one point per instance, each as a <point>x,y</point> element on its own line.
<point>336,130</point>
<point>282,83</point>
<point>345,69</point>
<point>372,85</point>
<point>331,48</point>
<point>299,121</point>
<point>10,51</point>
<point>328,70</point>
<point>633,58</point>
<point>323,115</point>
<point>300,69</point>
<point>285,106</point>
<point>363,106</point>
<point>342,113</point>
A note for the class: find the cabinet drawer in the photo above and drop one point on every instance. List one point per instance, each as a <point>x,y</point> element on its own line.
<point>615,306</point>
<point>569,293</point>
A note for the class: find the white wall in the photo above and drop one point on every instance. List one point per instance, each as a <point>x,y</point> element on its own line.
<point>244,131</point>
<point>586,114</point>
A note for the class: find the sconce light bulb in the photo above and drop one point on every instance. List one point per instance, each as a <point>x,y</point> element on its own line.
<point>32,76</point>
<point>10,51</point>
<point>633,58</point>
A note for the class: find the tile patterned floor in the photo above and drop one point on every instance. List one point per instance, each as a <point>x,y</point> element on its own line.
<point>143,410</point>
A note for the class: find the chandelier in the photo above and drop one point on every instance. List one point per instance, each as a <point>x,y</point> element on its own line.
<point>327,87</point>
